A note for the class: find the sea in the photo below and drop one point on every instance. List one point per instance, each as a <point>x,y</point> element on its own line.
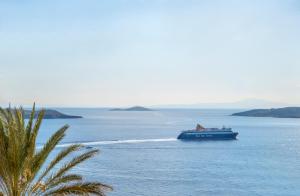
<point>140,155</point>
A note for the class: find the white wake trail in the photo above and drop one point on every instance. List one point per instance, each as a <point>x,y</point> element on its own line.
<point>134,141</point>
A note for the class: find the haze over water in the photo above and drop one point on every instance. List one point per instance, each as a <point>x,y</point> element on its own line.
<point>140,155</point>
<point>77,53</point>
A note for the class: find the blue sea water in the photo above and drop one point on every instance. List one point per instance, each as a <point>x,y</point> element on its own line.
<point>141,156</point>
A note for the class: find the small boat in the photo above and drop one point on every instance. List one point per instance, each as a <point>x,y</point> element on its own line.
<point>201,133</point>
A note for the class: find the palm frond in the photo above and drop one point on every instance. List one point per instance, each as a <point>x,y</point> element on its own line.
<point>80,189</point>
<point>41,156</point>
<point>64,153</point>
<point>75,161</point>
<point>21,163</point>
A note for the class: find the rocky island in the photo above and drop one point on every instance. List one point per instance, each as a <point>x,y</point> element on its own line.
<point>135,108</point>
<point>51,114</point>
<point>287,112</point>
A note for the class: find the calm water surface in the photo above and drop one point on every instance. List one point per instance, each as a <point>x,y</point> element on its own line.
<point>140,155</point>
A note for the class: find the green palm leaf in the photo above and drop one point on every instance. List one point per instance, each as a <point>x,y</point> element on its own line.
<point>21,162</point>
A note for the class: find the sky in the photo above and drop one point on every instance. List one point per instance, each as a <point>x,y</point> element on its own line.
<point>95,53</point>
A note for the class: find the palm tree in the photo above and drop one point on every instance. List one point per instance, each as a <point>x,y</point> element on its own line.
<point>24,170</point>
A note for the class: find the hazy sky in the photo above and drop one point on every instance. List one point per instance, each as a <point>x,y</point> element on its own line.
<point>148,52</point>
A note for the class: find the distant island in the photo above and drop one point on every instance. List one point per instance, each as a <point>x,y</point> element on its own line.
<point>51,114</point>
<point>135,108</point>
<point>287,112</point>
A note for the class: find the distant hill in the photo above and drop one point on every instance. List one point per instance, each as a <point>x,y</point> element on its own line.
<point>287,112</point>
<point>51,114</point>
<point>135,108</point>
<point>245,103</point>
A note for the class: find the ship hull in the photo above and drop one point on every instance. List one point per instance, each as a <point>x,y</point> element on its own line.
<point>207,135</point>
